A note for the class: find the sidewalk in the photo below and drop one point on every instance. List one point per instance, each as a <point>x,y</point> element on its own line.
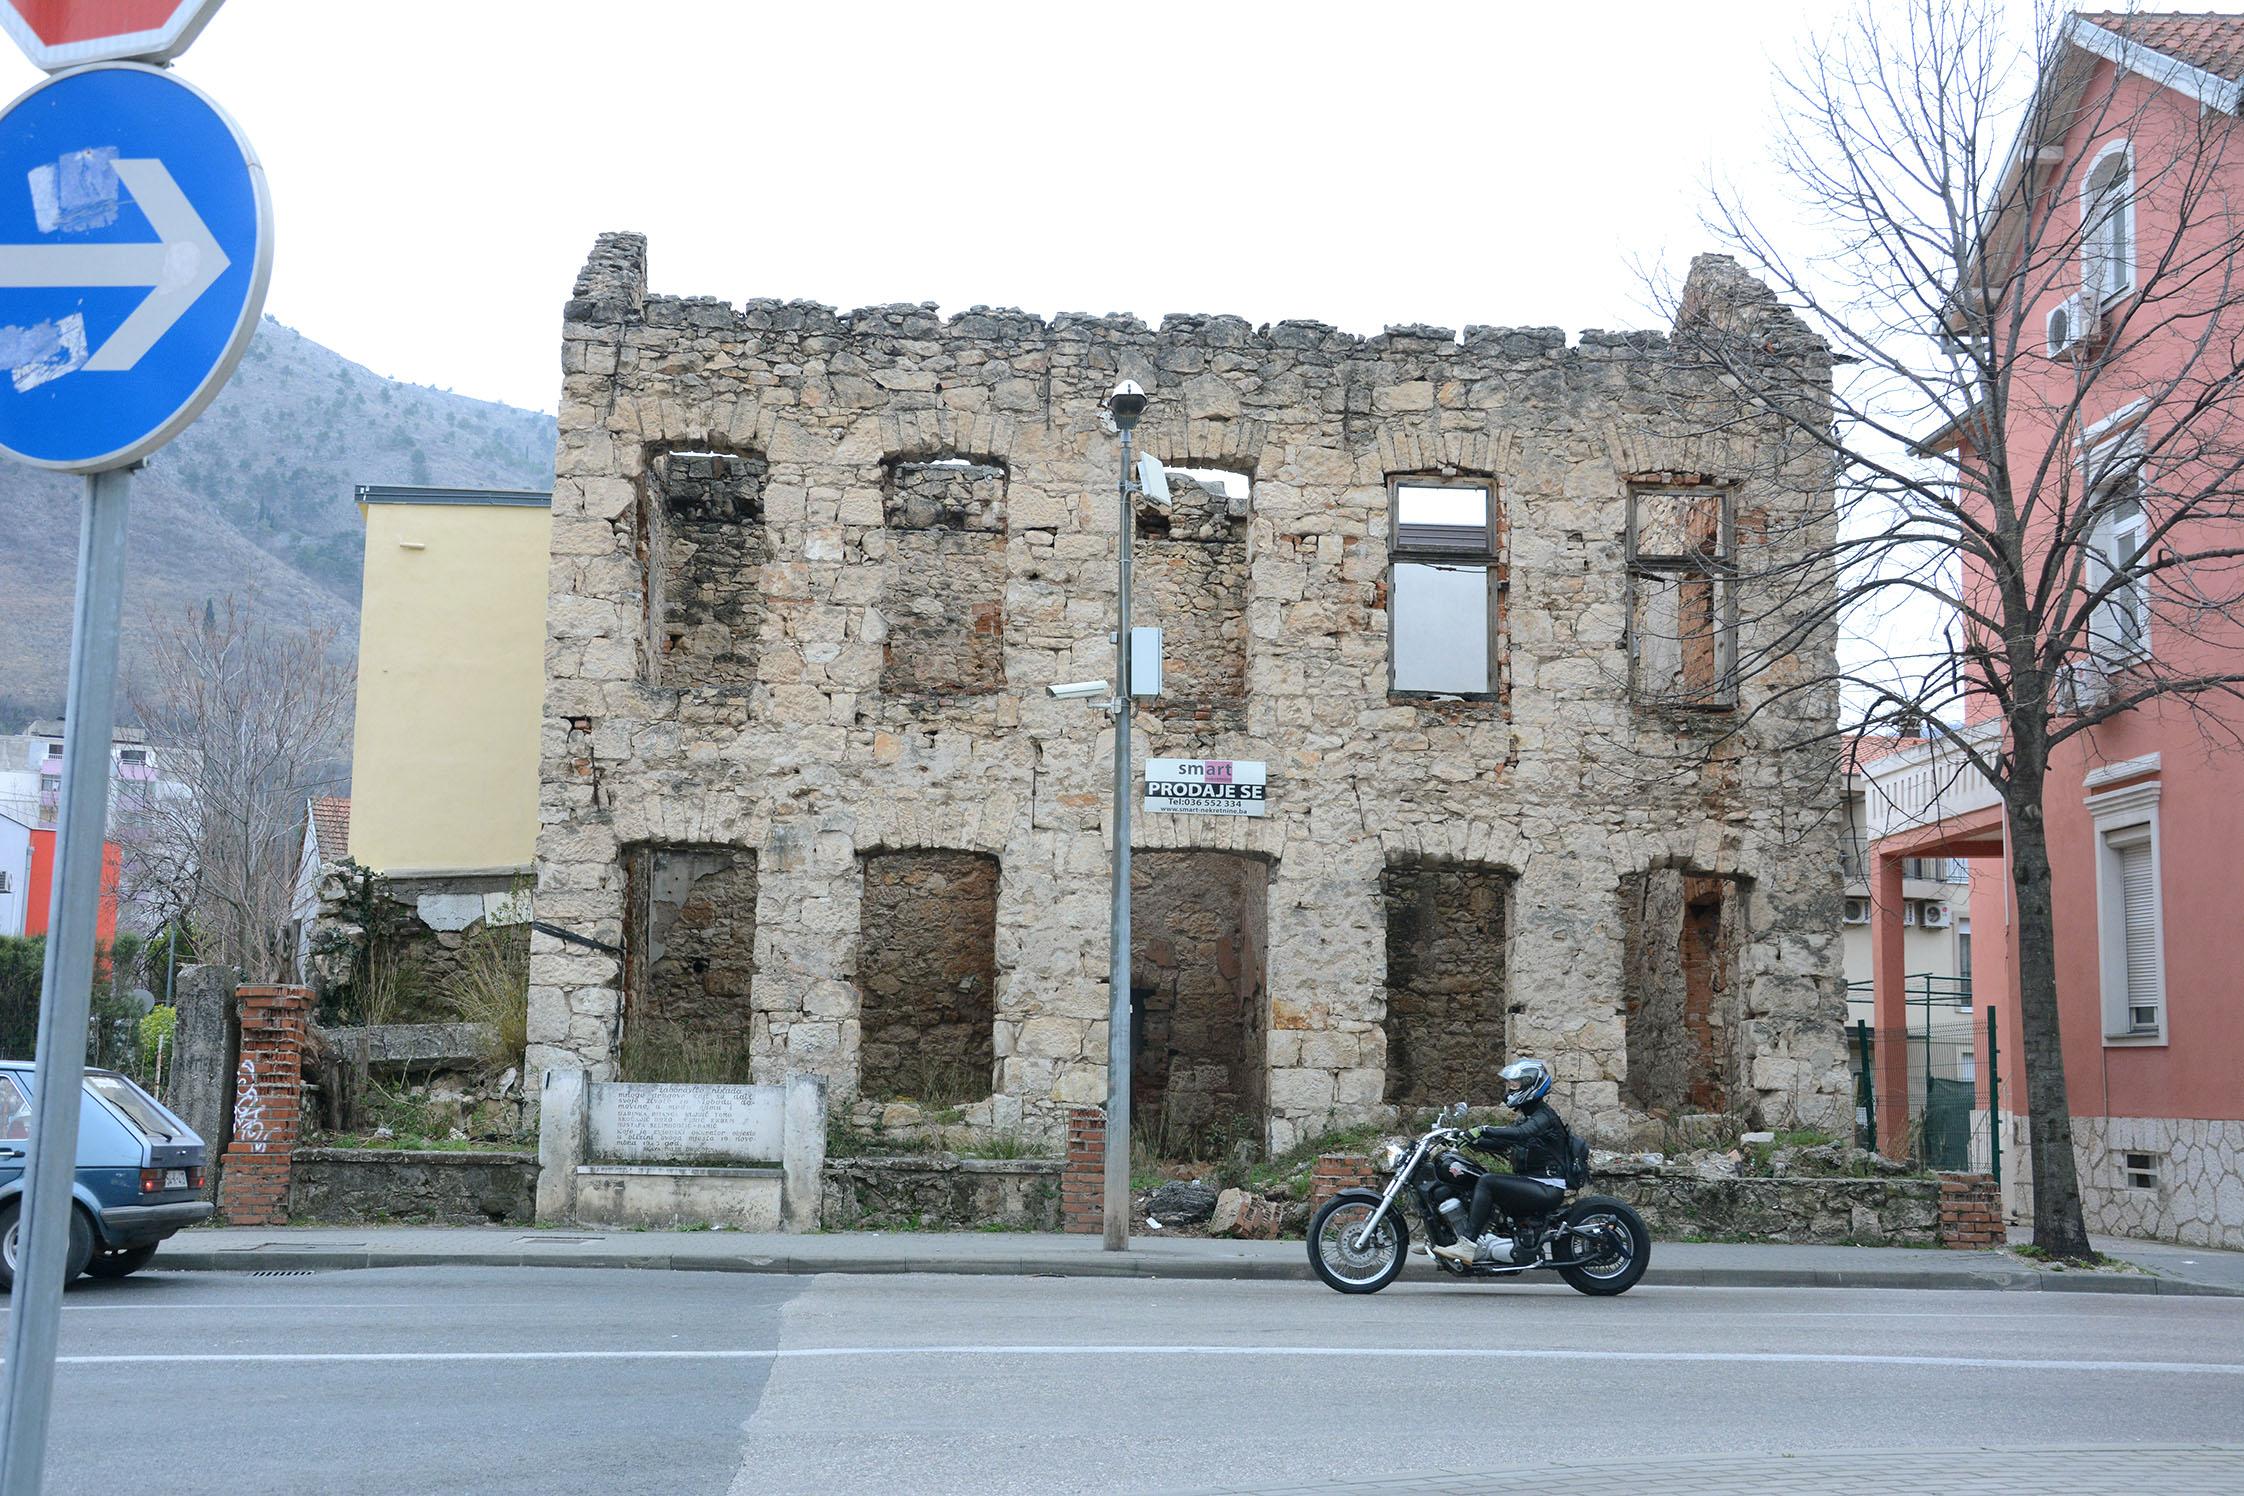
<point>2166,1269</point>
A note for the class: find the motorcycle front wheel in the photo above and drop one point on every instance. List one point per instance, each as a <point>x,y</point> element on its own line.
<point>1624,1247</point>
<point>1340,1262</point>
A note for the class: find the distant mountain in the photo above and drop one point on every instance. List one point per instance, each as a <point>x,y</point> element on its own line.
<point>256,498</point>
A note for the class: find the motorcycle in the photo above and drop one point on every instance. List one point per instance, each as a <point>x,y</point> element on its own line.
<point>1360,1239</point>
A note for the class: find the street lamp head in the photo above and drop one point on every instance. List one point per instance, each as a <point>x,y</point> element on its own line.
<point>1126,404</point>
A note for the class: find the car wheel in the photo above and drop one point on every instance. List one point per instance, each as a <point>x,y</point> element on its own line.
<point>122,1262</point>
<point>11,1243</point>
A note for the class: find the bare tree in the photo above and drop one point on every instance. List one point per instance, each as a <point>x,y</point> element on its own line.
<point>2033,433</point>
<point>254,720</point>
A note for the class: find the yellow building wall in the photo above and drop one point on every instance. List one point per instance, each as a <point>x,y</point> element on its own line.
<point>451,686</point>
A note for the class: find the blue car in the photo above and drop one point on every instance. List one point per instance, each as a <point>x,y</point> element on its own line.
<point>140,1174</point>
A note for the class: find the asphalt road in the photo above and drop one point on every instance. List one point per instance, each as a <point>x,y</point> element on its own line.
<point>505,1380</point>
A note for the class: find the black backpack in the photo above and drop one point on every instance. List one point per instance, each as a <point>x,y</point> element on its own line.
<point>1577,1161</point>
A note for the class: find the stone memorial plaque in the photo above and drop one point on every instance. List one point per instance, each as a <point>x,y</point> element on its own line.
<point>634,1122</point>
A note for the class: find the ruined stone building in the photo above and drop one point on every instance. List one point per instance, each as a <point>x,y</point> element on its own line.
<point>808,807</point>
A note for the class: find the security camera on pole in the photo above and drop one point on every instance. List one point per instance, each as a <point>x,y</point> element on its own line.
<point>135,247</point>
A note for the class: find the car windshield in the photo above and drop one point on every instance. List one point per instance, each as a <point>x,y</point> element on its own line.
<point>127,1098</point>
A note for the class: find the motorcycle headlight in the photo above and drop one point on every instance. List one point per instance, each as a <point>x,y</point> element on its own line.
<point>1390,1157</point>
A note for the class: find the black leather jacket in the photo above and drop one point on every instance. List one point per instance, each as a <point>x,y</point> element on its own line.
<point>1537,1142</point>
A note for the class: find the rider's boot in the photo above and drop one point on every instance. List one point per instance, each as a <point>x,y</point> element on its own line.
<point>1459,1251</point>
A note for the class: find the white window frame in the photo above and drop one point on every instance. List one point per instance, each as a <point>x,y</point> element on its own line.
<point>2095,249</point>
<point>2137,1178</point>
<point>2107,463</point>
<point>1451,557</point>
<point>2123,818</point>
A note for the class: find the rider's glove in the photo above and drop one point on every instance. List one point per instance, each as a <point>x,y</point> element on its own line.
<point>1484,1141</point>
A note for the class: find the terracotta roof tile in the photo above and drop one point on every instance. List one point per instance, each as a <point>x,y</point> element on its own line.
<point>331,826</point>
<point>2212,42</point>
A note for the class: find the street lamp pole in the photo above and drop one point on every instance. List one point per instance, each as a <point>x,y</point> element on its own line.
<point>1126,404</point>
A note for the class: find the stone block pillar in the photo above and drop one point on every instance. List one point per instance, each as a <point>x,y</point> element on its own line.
<point>1971,1213</point>
<point>268,1105</point>
<point>1334,1172</point>
<point>803,1152</point>
<point>1083,1180</point>
<point>563,1100</point>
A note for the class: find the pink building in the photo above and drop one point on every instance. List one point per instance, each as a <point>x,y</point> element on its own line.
<point>2144,812</point>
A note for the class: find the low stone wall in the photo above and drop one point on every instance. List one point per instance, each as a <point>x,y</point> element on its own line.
<point>1886,1210</point>
<point>862,1194</point>
<point>395,1184</point>
<point>1896,1212</point>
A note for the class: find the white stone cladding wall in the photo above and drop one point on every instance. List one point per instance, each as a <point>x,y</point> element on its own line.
<point>2199,1200</point>
<point>1564,784</point>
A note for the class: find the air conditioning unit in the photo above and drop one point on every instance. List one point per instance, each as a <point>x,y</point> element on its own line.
<point>1937,916</point>
<point>2071,324</point>
<point>2081,686</point>
<point>1857,912</point>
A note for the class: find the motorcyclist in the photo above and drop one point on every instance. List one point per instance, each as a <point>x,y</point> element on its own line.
<point>1538,1144</point>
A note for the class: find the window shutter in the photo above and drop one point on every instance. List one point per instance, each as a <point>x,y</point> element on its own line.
<point>2138,887</point>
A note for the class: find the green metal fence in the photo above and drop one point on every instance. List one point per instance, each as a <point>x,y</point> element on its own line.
<point>1949,1046</point>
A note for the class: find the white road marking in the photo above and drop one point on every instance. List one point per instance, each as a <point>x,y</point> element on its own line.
<point>1338,1352</point>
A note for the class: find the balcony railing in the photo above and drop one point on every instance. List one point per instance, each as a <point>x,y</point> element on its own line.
<point>1854,862</point>
<point>1920,987</point>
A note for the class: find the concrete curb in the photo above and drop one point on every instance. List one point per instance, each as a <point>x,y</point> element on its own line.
<point>1136,1265</point>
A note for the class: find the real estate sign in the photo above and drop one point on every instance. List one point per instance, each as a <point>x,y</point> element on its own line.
<point>1205,786</point>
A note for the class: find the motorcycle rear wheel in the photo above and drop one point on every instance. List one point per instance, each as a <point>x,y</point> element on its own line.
<point>1617,1271</point>
<point>1339,1263</point>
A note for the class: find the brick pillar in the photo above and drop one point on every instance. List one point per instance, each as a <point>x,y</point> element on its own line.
<point>1083,1180</point>
<point>268,1105</point>
<point>1971,1212</point>
<point>1334,1172</point>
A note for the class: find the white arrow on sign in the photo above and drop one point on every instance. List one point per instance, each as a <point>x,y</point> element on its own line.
<point>184,262</point>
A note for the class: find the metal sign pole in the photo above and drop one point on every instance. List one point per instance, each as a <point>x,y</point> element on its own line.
<point>1115,1204</point>
<point>66,987</point>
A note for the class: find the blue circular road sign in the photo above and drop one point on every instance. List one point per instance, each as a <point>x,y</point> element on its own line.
<point>136,240</point>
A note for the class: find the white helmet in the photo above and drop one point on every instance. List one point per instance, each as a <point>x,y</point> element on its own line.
<point>1525,1081</point>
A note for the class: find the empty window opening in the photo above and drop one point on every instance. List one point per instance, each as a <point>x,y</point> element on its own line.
<point>2140,1170</point>
<point>943,608</point>
<point>1446,993</point>
<point>689,962</point>
<point>927,977</point>
<point>1682,1005</point>
<point>704,547</point>
<point>1443,588</point>
<point>1198,995</point>
<point>1189,577</point>
<point>1682,628</point>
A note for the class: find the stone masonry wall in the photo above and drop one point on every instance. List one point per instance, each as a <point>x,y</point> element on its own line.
<point>1446,993</point>
<point>817,761</point>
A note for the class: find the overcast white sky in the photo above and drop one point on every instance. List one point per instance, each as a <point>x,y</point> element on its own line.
<point>439,169</point>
